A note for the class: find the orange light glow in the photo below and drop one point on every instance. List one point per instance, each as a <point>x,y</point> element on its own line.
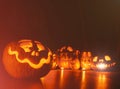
<point>102,81</point>
<point>85,66</point>
<point>95,59</point>
<point>68,58</point>
<point>107,58</point>
<point>26,60</point>
<point>101,66</point>
<point>62,48</point>
<point>76,64</point>
<point>64,64</point>
<point>69,48</point>
<point>26,44</point>
<point>83,83</point>
<point>86,60</point>
<point>101,60</point>
<point>61,78</point>
<point>89,54</point>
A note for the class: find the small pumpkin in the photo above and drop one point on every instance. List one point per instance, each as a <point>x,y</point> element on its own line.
<point>68,58</point>
<point>27,59</point>
<point>54,62</point>
<point>103,63</point>
<point>86,60</point>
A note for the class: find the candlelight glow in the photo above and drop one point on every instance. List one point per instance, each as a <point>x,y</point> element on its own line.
<point>61,78</point>
<point>64,64</point>
<point>26,44</point>
<point>75,64</point>
<point>26,60</point>
<point>102,81</point>
<point>95,59</point>
<point>83,83</point>
<point>86,60</point>
<point>68,58</point>
<point>101,66</point>
<point>107,58</point>
<point>54,61</point>
<point>103,63</point>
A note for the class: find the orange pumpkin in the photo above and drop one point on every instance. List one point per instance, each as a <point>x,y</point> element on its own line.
<point>27,59</point>
<point>86,60</point>
<point>103,63</point>
<point>68,58</point>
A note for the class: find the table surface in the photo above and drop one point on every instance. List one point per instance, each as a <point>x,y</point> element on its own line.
<point>65,79</point>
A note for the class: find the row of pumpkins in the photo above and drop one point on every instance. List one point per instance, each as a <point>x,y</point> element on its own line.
<point>31,59</point>
<point>68,58</point>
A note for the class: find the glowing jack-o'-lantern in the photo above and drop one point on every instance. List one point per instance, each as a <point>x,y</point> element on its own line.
<point>86,60</point>
<point>54,61</point>
<point>68,58</point>
<point>27,59</point>
<point>76,60</point>
<point>102,63</point>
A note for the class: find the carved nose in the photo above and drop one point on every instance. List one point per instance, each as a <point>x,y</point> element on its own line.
<point>34,53</point>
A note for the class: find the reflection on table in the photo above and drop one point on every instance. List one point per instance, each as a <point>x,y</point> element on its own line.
<point>65,79</point>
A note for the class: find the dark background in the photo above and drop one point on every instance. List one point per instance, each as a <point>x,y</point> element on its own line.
<point>87,25</point>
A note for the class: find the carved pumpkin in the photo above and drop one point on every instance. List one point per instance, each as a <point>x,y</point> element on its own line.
<point>76,60</point>
<point>27,59</point>
<point>86,60</point>
<point>68,58</point>
<point>54,62</point>
<point>102,63</point>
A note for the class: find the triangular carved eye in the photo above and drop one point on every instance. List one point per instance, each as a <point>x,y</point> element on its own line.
<point>107,58</point>
<point>26,45</point>
<point>95,59</point>
<point>40,47</point>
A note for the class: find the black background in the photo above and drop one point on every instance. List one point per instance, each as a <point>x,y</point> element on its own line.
<point>87,25</point>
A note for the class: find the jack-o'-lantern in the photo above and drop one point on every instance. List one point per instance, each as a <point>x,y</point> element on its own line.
<point>75,64</point>
<point>86,60</point>
<point>68,58</point>
<point>27,59</point>
<point>65,57</point>
<point>102,63</point>
<point>54,61</point>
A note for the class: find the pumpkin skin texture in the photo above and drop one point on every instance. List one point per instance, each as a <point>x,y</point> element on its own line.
<point>27,59</point>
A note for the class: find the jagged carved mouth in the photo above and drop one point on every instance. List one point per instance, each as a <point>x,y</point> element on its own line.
<point>34,61</point>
